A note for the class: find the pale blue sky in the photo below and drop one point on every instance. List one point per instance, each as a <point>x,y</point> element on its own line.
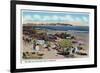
<point>51,16</point>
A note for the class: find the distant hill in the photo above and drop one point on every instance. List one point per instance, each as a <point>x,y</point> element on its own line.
<point>47,24</point>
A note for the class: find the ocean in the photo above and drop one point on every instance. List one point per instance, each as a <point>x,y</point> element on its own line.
<point>64,28</point>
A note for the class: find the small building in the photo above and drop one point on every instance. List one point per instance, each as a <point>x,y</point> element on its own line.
<point>68,37</point>
<point>41,42</point>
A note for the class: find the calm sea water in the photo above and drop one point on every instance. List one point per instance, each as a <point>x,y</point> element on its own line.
<point>63,28</point>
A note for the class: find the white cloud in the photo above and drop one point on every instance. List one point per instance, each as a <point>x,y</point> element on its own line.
<point>62,18</point>
<point>36,17</point>
<point>85,19</point>
<point>69,18</point>
<point>27,17</point>
<point>44,18</point>
<point>51,18</point>
<point>55,17</point>
<point>78,19</point>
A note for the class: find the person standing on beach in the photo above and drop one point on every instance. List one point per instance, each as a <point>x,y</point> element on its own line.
<point>34,44</point>
<point>37,48</point>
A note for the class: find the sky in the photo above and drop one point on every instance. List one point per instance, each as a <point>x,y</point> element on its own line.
<point>51,16</point>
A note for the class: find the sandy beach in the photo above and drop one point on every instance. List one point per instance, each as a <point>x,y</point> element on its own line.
<point>52,54</point>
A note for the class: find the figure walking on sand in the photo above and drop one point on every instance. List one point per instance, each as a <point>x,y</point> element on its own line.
<point>37,48</point>
<point>34,44</point>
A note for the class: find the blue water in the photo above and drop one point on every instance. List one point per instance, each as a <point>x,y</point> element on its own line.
<point>64,28</point>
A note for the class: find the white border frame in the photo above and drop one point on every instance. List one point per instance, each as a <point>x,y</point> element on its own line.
<point>70,62</point>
